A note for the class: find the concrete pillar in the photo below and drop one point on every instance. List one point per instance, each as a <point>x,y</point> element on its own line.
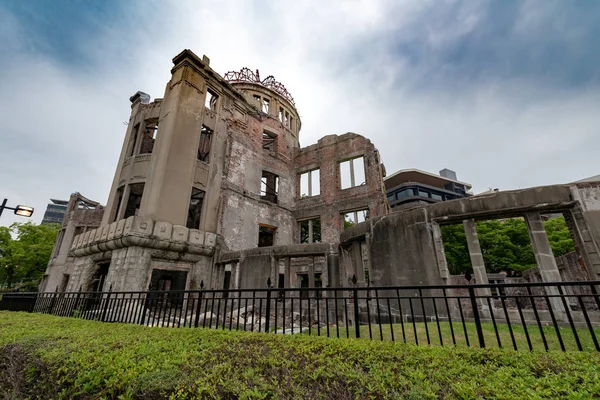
<point>477,263</point>
<point>544,258</point>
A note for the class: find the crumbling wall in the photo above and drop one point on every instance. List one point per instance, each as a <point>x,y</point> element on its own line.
<point>333,201</point>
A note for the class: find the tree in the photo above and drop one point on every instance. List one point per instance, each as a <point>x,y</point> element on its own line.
<point>505,245</point>
<point>24,259</point>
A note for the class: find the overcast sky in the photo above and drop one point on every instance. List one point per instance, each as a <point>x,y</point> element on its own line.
<point>504,93</point>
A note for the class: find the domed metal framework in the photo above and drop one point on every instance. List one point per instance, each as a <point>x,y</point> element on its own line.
<point>246,75</point>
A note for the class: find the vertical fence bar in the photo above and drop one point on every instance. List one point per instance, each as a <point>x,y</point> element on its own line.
<point>476,317</point>
<point>462,318</point>
<point>508,321</point>
<point>517,298</point>
<point>401,315</point>
<point>106,303</point>
<point>356,313</point>
<point>424,315</point>
<point>588,323</point>
<point>268,311</point>
<point>449,316</point>
<point>378,315</point>
<point>537,317</point>
<point>437,320</point>
<point>569,317</point>
<point>494,322</point>
<point>412,317</point>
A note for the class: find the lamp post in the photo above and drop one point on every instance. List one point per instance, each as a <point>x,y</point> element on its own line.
<point>23,211</point>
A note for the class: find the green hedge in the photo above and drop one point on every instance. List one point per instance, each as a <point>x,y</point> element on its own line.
<point>51,357</point>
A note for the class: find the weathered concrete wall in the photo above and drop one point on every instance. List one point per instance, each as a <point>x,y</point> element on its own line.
<point>402,246</point>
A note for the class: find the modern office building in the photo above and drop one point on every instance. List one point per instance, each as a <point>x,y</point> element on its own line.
<point>414,186</point>
<point>55,212</point>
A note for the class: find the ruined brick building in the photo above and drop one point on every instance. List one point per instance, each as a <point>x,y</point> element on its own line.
<point>212,186</point>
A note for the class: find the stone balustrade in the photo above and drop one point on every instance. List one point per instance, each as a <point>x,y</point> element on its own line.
<point>144,232</point>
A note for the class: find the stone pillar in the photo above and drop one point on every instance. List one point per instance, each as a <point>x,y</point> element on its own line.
<point>545,260</point>
<point>478,265</point>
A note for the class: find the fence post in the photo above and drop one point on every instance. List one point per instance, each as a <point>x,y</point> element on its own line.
<point>356,315</point>
<point>105,310</point>
<point>476,317</point>
<point>268,311</point>
<point>198,308</point>
<point>53,301</point>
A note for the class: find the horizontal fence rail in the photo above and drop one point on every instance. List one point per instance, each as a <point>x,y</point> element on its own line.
<point>522,316</point>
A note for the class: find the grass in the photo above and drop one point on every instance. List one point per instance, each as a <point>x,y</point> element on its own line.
<point>406,333</point>
<point>43,356</point>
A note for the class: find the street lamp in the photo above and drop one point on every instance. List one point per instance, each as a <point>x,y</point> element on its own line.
<point>23,211</point>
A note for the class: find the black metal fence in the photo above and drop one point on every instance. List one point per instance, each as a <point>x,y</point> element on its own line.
<point>523,316</point>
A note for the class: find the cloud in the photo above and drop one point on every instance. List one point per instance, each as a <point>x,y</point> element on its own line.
<point>504,93</point>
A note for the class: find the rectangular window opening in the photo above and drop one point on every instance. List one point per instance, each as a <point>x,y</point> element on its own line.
<point>310,184</point>
<point>270,142</point>
<point>226,283</point>
<point>310,230</point>
<point>168,284</point>
<point>117,204</point>
<point>149,137</point>
<point>269,186</point>
<point>286,121</point>
<point>265,105</point>
<point>195,208</point>
<point>134,200</point>
<point>204,144</point>
<point>133,140</point>
<point>211,100</point>
<point>266,235</point>
<point>354,217</point>
<point>352,173</point>
<point>280,114</point>
<point>303,279</point>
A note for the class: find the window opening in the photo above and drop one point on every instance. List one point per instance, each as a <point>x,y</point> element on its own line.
<point>270,141</point>
<point>303,278</point>
<point>265,105</point>
<point>99,277</point>
<point>281,285</point>
<point>134,200</point>
<point>310,184</point>
<point>195,208</point>
<point>133,140</point>
<point>226,283</point>
<point>318,284</point>
<point>291,122</point>
<point>355,217</point>
<point>269,186</point>
<point>310,230</point>
<point>204,145</point>
<point>266,235</point>
<point>117,204</point>
<point>286,120</point>
<point>281,114</point>
<point>65,282</point>
<point>211,100</point>
<point>149,137</point>
<point>352,173</point>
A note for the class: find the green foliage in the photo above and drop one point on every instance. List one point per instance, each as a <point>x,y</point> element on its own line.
<point>24,259</point>
<point>505,244</point>
<point>43,356</point>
